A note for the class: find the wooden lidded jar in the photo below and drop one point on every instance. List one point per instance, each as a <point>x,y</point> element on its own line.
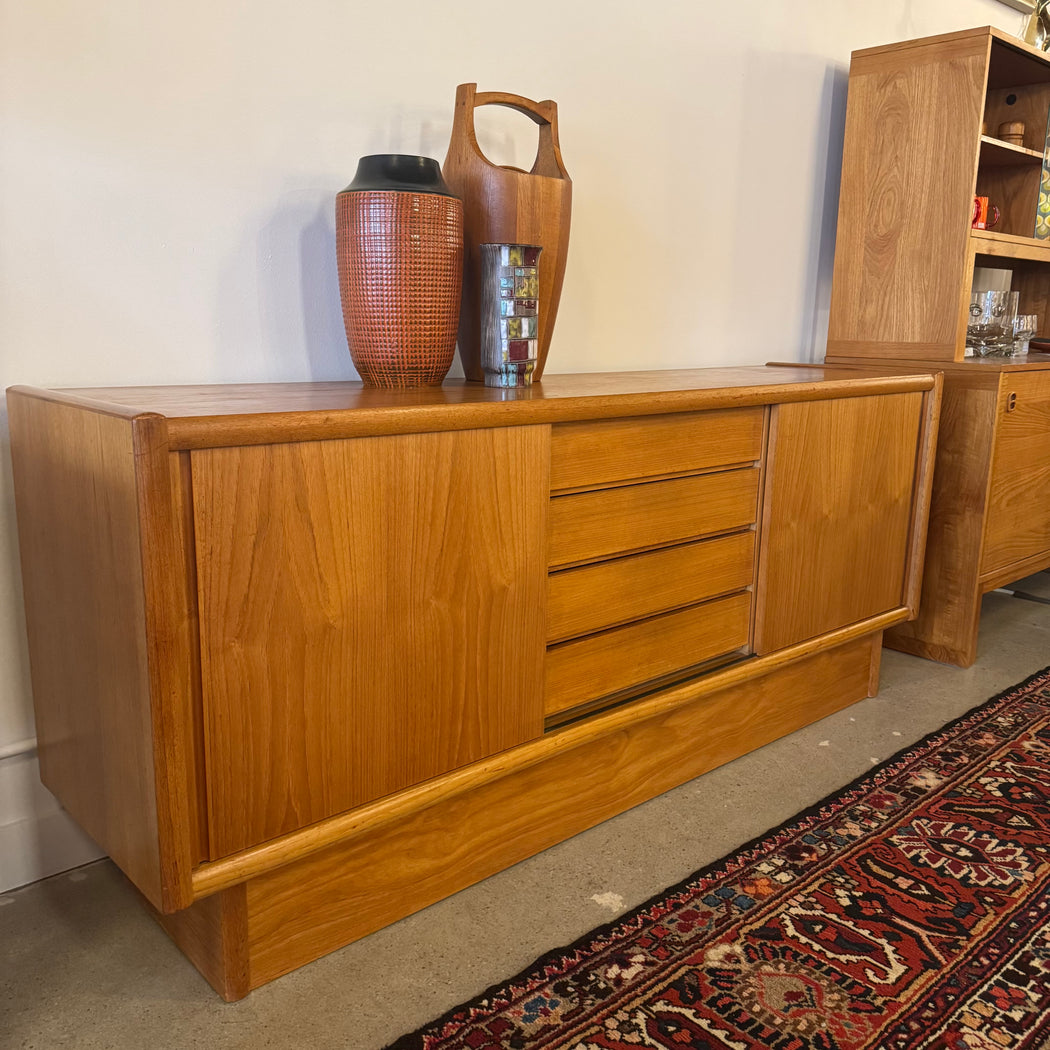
<point>399,246</point>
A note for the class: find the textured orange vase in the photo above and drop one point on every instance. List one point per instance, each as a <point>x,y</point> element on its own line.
<point>399,243</point>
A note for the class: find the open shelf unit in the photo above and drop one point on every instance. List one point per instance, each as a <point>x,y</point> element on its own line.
<point>922,140</point>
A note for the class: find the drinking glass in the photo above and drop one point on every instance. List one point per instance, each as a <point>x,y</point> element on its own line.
<point>989,328</point>
<point>1025,326</point>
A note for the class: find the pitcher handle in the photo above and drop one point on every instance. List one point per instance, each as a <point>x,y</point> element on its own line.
<point>545,114</point>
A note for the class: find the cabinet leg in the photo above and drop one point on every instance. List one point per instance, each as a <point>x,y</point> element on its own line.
<point>213,934</point>
<point>875,665</point>
<point>945,629</point>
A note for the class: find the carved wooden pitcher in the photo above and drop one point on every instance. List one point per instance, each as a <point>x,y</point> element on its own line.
<point>507,205</point>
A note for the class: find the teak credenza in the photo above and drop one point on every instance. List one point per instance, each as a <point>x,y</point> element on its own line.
<point>309,657</point>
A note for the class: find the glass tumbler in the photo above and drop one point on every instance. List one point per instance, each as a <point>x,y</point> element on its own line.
<point>989,328</point>
<point>1025,326</point>
<point>510,289</point>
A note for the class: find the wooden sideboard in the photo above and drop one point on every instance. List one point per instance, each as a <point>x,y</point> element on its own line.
<point>307,658</point>
<point>990,509</point>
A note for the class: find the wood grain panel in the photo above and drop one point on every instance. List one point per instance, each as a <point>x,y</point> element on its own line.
<point>888,57</point>
<point>81,550</point>
<point>929,430</point>
<point>949,607</point>
<point>172,655</point>
<point>596,596</point>
<point>231,871</point>
<point>268,413</point>
<point>1018,525</point>
<point>913,122</point>
<point>372,615</point>
<point>836,523</point>
<point>1029,104</point>
<point>1032,282</point>
<point>597,453</point>
<point>625,657</point>
<point>302,911</point>
<point>184,664</point>
<point>592,525</point>
<point>1015,192</point>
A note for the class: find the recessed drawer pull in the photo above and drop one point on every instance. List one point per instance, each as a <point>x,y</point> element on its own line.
<point>592,597</point>
<point>625,657</point>
<point>607,451</point>
<point>587,526</point>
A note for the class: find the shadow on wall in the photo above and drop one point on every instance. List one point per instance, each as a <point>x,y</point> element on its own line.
<point>825,210</point>
<point>324,336</point>
<point>290,300</point>
<point>787,199</point>
<point>299,314</point>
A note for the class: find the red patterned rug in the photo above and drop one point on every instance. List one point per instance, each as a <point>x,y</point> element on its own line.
<point>908,910</point>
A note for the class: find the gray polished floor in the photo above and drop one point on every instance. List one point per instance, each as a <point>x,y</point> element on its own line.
<point>81,964</point>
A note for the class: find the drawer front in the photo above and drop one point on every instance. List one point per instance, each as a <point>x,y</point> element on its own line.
<point>608,451</point>
<point>593,597</point>
<point>1018,523</point>
<point>630,656</point>
<point>591,525</point>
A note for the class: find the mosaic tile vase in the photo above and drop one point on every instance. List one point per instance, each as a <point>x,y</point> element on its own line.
<point>399,246</point>
<point>510,295</point>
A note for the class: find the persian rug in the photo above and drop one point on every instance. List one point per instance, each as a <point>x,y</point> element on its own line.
<point>908,910</point>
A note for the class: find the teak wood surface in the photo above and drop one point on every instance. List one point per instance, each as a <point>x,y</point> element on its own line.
<point>840,500</point>
<point>369,883</point>
<point>590,525</point>
<point>81,542</point>
<point>914,157</point>
<point>257,413</point>
<point>372,615</point>
<point>600,453</point>
<point>608,593</point>
<point>1018,526</point>
<point>967,494</point>
<point>624,657</point>
<point>290,652</point>
<point>360,885</point>
<point>905,259</point>
<point>909,167</point>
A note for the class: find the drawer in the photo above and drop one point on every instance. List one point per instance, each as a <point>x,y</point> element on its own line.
<point>630,656</point>
<point>590,525</point>
<point>592,597</point>
<point>607,451</point>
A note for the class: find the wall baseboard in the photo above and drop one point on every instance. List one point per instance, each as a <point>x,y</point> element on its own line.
<point>37,837</point>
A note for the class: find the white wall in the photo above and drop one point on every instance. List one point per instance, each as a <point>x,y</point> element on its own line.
<point>167,175</point>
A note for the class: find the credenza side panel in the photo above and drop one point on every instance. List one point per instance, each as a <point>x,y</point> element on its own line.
<point>372,614</point>
<point>839,495</point>
<point>82,574</point>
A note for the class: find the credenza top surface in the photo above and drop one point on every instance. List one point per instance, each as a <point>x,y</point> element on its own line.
<point>215,415</point>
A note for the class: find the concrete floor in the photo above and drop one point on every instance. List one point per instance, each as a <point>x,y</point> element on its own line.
<point>82,965</point>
